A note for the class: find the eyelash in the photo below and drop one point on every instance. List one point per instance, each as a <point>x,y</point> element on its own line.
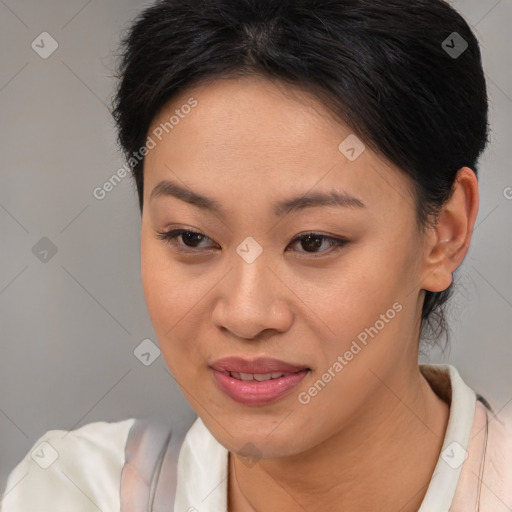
<point>170,236</point>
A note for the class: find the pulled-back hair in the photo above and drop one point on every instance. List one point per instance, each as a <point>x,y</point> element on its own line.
<point>383,67</point>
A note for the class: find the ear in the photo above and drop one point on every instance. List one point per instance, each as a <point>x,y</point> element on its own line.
<point>448,241</point>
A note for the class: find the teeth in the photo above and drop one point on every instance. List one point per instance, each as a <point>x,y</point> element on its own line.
<point>262,376</point>
<point>257,376</point>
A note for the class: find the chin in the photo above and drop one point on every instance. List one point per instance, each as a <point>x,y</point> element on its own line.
<point>257,440</point>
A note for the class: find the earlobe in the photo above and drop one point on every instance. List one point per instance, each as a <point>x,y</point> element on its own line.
<point>448,241</point>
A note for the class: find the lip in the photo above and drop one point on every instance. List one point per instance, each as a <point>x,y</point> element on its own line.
<point>259,365</point>
<point>255,393</point>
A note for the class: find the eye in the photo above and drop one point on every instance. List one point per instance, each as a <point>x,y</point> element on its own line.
<point>313,241</point>
<point>191,240</point>
<point>187,237</point>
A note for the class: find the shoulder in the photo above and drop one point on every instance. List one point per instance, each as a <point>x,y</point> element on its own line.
<point>497,462</point>
<point>77,470</point>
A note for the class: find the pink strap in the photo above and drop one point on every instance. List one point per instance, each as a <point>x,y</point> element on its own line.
<point>485,483</point>
<point>149,475</point>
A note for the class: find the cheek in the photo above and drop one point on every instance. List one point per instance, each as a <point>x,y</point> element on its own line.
<point>365,303</point>
<point>163,289</point>
<point>154,280</point>
<point>167,288</point>
<point>173,301</point>
<point>356,290</point>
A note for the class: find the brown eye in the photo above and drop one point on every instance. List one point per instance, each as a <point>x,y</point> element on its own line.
<point>311,242</point>
<point>189,238</point>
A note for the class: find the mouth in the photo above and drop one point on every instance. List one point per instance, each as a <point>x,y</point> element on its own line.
<point>257,381</point>
<point>260,377</point>
<point>262,366</point>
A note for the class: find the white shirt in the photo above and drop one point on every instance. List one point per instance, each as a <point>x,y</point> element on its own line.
<point>80,470</point>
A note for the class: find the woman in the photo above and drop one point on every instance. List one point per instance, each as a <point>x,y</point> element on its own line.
<point>307,180</point>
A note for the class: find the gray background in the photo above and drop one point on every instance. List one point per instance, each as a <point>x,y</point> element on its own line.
<point>69,325</point>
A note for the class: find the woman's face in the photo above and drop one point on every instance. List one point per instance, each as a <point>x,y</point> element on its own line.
<point>248,287</point>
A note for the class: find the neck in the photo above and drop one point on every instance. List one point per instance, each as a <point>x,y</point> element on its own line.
<point>383,460</point>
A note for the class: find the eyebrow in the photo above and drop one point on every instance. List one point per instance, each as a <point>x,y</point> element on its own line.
<point>336,198</point>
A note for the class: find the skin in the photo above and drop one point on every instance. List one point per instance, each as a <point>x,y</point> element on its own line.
<point>371,438</point>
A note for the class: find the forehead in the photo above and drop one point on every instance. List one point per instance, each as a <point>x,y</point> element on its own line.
<point>248,107</point>
<point>262,137</point>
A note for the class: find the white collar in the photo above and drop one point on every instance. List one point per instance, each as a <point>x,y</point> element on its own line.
<point>442,487</point>
<point>203,462</point>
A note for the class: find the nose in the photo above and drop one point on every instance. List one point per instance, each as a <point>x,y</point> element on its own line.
<point>252,299</point>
